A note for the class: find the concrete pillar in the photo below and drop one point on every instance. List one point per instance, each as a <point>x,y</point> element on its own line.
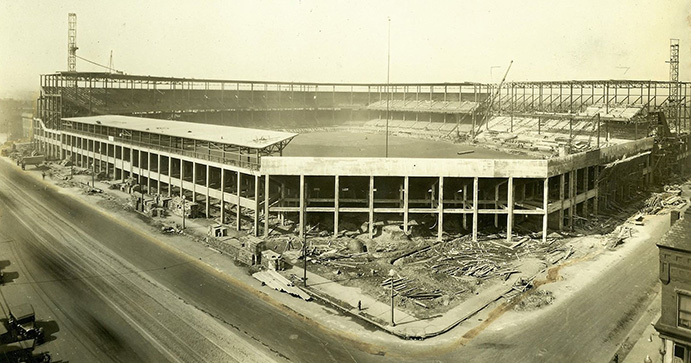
<point>223,195</point>
<point>170,176</point>
<point>440,209</point>
<point>596,200</point>
<point>476,182</point>
<point>371,206</point>
<point>267,202</point>
<point>509,215</point>
<point>237,216</point>
<point>182,170</point>
<point>572,192</point>
<point>122,163</point>
<point>562,181</point>
<point>406,202</point>
<point>139,162</point>
<point>302,207</point>
<point>465,198</point>
<point>496,204</point>
<point>208,207</point>
<point>256,205</point>
<point>337,190</point>
<point>194,181</point>
<point>585,190</point>
<point>158,185</point>
<point>545,203</point>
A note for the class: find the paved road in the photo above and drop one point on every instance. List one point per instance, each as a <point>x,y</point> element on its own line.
<point>112,295</point>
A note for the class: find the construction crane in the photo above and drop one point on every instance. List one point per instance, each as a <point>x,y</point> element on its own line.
<point>72,42</point>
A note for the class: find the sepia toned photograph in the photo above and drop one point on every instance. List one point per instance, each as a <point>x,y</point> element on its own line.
<point>345,181</point>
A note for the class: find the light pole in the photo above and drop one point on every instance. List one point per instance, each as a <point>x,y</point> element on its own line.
<point>391,274</point>
<point>304,260</point>
<point>183,210</point>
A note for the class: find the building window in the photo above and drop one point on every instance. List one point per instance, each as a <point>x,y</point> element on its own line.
<point>679,354</point>
<point>684,309</point>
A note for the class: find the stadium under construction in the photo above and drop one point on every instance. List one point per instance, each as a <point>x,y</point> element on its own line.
<point>561,150</point>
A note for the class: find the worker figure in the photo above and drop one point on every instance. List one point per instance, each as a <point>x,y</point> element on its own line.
<point>23,166</point>
<point>359,305</point>
<point>43,175</point>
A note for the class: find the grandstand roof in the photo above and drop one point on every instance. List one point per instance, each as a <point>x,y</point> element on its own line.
<point>239,136</point>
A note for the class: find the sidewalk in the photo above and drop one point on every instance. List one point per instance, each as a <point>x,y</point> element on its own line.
<point>648,344</point>
<point>379,314</point>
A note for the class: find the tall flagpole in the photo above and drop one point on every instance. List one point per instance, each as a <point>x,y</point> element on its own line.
<point>388,94</point>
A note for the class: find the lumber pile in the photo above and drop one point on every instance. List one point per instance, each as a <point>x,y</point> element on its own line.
<point>671,197</point>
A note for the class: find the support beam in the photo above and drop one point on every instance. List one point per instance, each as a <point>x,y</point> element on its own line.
<point>440,208</point>
<point>585,190</point>
<point>267,203</point>
<point>223,196</point>
<point>158,180</point>
<point>596,200</point>
<point>475,207</point>
<point>371,206</point>
<point>337,188</point>
<point>562,181</point>
<point>509,216</point>
<point>237,216</point>
<point>572,197</point>
<point>302,208</point>
<point>545,217</point>
<point>256,205</point>
<point>206,183</point>
<point>406,206</point>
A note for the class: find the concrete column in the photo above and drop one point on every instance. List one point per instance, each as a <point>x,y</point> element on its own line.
<point>465,198</point>
<point>194,181</point>
<point>122,163</point>
<point>406,204</point>
<point>545,203</point>
<point>170,176</point>
<point>585,188</point>
<point>208,207</point>
<point>337,190</point>
<point>158,186</point>
<point>496,204</point>
<point>237,216</point>
<point>267,202</point>
<point>596,200</point>
<point>182,169</point>
<point>509,216</point>
<point>562,181</point>
<point>572,187</point>
<point>476,182</point>
<point>440,209</point>
<point>139,162</point>
<point>371,206</point>
<point>302,207</point>
<point>256,205</point>
<point>281,215</point>
<point>223,195</point>
<point>148,172</point>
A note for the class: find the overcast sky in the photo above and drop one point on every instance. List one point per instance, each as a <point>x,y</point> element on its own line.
<point>346,41</point>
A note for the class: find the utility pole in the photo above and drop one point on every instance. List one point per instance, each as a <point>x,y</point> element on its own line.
<point>392,274</point>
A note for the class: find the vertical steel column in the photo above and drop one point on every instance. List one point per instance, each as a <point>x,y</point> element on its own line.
<point>509,215</point>
<point>545,205</point>
<point>337,188</point>
<point>476,182</point>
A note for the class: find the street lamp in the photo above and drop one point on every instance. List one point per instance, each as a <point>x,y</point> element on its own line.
<point>391,274</point>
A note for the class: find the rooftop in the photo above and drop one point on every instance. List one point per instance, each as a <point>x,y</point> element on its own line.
<point>678,236</point>
<point>239,136</point>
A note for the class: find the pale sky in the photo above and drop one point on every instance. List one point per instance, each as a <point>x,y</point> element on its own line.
<point>346,41</point>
